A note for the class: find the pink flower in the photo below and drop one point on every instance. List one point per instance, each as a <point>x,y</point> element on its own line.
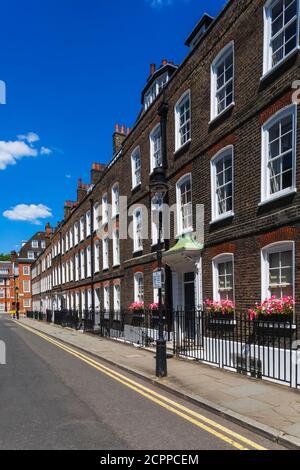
<point>136,306</point>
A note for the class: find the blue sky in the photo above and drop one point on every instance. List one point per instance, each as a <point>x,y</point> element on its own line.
<point>73,68</point>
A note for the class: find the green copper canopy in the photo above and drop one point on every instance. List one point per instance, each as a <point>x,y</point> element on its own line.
<point>184,255</point>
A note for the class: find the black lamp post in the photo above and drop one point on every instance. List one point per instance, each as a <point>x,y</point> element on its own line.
<point>159,188</point>
<point>17,302</point>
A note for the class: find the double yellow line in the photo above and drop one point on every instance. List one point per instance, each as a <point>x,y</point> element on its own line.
<point>212,427</point>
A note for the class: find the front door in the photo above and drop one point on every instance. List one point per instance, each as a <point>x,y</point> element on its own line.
<point>189,304</point>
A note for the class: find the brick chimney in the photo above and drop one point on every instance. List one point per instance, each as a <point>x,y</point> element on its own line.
<point>67,209</point>
<point>118,138</point>
<point>48,230</point>
<point>152,69</point>
<point>96,172</point>
<point>81,190</point>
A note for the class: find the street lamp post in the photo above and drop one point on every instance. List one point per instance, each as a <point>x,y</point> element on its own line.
<point>161,345</point>
<point>159,188</point>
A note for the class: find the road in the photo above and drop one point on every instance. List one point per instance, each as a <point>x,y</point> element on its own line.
<point>55,397</point>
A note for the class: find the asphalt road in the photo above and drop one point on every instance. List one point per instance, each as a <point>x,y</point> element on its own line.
<point>51,398</point>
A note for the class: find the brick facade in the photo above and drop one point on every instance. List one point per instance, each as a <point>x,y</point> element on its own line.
<point>252,226</point>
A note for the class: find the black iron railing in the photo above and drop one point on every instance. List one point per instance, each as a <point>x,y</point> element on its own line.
<point>262,349</point>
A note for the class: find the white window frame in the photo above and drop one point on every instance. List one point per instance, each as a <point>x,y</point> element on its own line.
<point>137,241</point>
<point>30,255</point>
<point>88,261</point>
<point>267,59</point>
<point>116,247</point>
<point>155,135</point>
<point>106,298</point>
<point>105,253</point>
<point>81,235</point>
<point>34,244</point>
<point>137,277</point>
<point>185,97</point>
<point>117,298</point>
<point>115,198</point>
<point>96,215</point>
<point>88,223</point>
<point>180,182</point>
<point>105,209</point>
<point>214,198</point>
<point>276,247</point>
<point>221,57</point>
<point>82,264</point>
<point>220,259</point>
<point>26,270</point>
<point>97,256</point>
<point>136,169</point>
<point>265,179</point>
<point>26,291</point>
<point>76,233</point>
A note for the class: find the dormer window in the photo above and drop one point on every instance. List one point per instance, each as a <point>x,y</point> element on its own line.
<point>155,89</point>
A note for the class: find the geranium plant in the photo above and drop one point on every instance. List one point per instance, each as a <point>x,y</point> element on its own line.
<point>154,307</point>
<point>274,309</point>
<point>220,308</point>
<point>136,307</point>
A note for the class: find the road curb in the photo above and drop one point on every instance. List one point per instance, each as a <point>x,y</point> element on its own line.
<point>275,435</point>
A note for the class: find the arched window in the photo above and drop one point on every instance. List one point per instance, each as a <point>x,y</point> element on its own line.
<point>222,183</point>
<point>222,81</point>
<point>223,277</point>
<point>278,267</point>
<point>139,287</point>
<point>281,35</point>
<point>279,154</point>
<point>136,167</point>
<point>184,205</point>
<point>183,120</point>
<point>155,148</point>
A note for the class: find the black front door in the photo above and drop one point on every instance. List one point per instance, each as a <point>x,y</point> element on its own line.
<point>189,304</point>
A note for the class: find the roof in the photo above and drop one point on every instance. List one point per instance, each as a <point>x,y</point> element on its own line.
<point>204,23</point>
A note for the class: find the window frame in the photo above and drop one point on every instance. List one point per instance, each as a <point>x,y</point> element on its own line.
<point>220,57</point>
<point>138,275</point>
<point>179,226</point>
<point>105,253</point>
<point>266,195</point>
<point>221,259</point>
<point>153,134</point>
<point>137,248</point>
<point>214,199</point>
<point>115,200</point>
<point>185,96</point>
<point>116,247</point>
<point>267,54</point>
<point>135,182</point>
<point>281,246</point>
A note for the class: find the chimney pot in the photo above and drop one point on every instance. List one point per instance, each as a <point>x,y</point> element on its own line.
<point>164,62</point>
<point>117,127</point>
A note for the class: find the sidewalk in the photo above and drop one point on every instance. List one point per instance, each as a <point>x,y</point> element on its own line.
<point>270,409</point>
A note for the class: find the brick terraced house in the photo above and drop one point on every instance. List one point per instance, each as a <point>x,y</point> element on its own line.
<point>222,129</point>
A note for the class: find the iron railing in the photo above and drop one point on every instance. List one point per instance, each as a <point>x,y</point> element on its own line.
<point>262,349</point>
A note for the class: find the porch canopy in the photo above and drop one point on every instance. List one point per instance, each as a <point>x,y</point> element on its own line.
<point>184,255</point>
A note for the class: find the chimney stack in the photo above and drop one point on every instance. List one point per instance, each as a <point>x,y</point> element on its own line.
<point>81,191</point>
<point>96,172</point>
<point>152,68</point>
<point>48,230</point>
<point>118,138</point>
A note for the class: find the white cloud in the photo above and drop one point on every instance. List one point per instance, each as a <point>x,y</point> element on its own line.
<point>28,213</point>
<point>159,3</point>
<point>45,151</point>
<point>12,151</point>
<point>30,137</point>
